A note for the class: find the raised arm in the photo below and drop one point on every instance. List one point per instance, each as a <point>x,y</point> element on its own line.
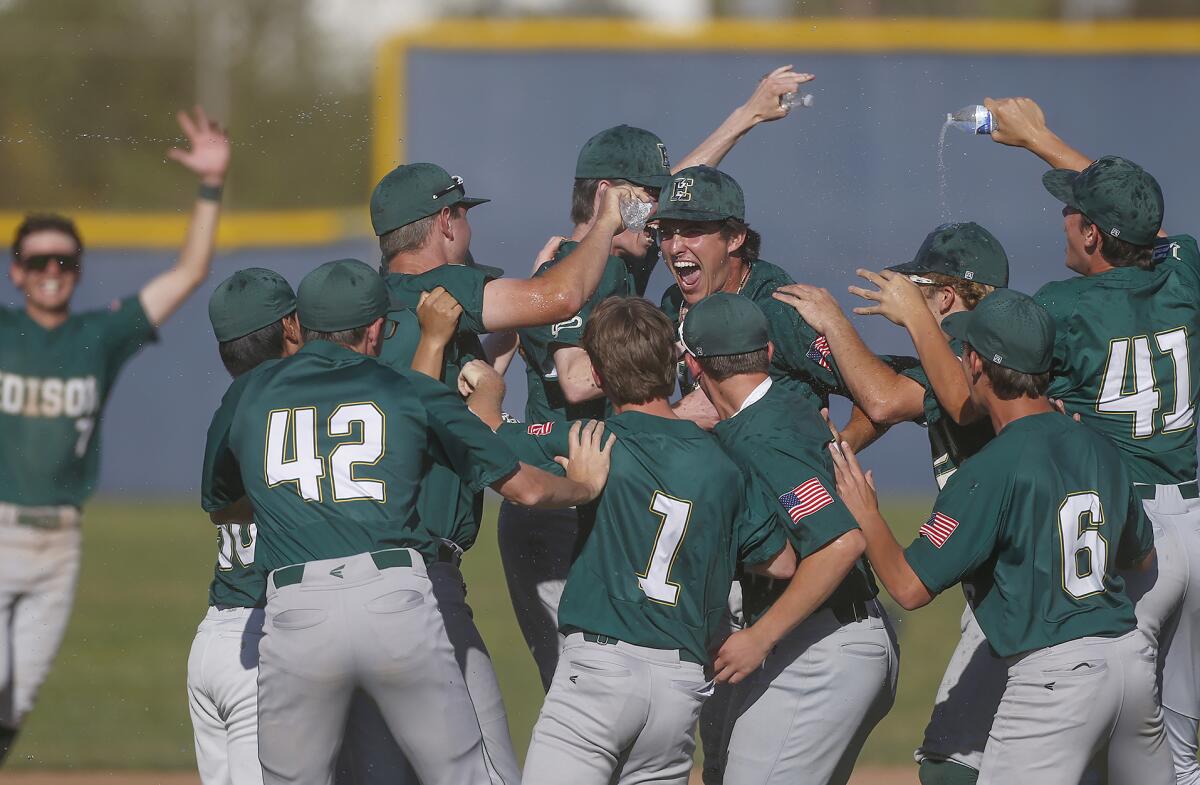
<point>208,158</point>
<point>558,295</point>
<point>438,314</point>
<point>762,107</point>
<point>884,396</point>
<point>1020,122</point>
<point>900,301</point>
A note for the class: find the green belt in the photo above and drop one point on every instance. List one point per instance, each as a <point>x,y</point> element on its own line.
<point>1188,490</point>
<point>393,557</point>
<point>608,640</point>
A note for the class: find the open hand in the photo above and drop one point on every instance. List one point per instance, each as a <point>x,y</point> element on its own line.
<point>856,489</point>
<point>588,456</point>
<point>897,299</point>
<point>1018,122</point>
<point>740,655</point>
<point>209,148</point>
<point>438,313</point>
<point>814,304</point>
<point>548,251</point>
<point>764,103</point>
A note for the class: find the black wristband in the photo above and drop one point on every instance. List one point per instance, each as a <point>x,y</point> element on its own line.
<point>210,192</point>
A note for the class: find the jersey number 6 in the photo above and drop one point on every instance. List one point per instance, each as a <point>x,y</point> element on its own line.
<point>1084,551</point>
<point>297,429</point>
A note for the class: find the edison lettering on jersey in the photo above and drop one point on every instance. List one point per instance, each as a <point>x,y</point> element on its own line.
<point>29,396</point>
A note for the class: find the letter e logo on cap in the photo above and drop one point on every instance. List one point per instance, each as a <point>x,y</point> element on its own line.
<point>1115,232</point>
<point>681,193</point>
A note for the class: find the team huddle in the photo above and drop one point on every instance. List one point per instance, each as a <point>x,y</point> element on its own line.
<point>689,543</point>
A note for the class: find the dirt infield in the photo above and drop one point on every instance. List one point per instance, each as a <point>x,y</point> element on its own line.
<point>866,775</point>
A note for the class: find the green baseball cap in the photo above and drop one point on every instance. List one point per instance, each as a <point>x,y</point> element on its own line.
<point>341,295</point>
<point>249,300</point>
<point>723,324</point>
<point>1116,194</point>
<point>701,193</point>
<point>625,153</point>
<point>412,191</point>
<point>961,250</point>
<point>1008,328</point>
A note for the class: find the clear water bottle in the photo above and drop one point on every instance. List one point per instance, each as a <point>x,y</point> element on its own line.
<point>974,119</point>
<point>790,101</point>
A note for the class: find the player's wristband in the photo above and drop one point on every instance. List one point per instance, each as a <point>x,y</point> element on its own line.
<point>210,192</point>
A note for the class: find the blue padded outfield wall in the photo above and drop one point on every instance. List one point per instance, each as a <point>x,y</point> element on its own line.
<point>850,182</point>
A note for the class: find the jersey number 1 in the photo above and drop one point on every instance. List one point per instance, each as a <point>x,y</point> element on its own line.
<point>297,428</point>
<point>674,514</point>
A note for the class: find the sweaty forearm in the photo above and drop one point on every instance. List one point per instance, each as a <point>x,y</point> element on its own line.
<point>713,150</point>
<point>815,580</point>
<point>529,486</point>
<point>576,277</point>
<point>873,385</point>
<point>1057,153</point>
<point>944,370</point>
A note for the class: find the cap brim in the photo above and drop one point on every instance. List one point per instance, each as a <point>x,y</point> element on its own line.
<point>955,325</point>
<point>1061,185</point>
<point>659,182</point>
<point>686,215</point>
<point>909,268</point>
<point>470,201</point>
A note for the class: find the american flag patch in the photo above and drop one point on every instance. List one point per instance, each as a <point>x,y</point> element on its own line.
<point>819,352</point>
<point>938,529</point>
<point>805,499</point>
<point>540,429</point>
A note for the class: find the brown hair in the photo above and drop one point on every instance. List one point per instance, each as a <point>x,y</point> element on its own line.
<point>751,246</point>
<point>1009,384</point>
<point>1120,253</point>
<point>969,292</point>
<point>631,344</point>
<point>41,222</point>
<point>721,368</point>
<point>583,197</point>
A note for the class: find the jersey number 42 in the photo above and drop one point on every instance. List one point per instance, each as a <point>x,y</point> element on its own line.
<point>292,457</point>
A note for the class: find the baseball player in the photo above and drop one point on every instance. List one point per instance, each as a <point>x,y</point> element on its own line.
<point>1124,364</point>
<point>536,546</point>
<point>955,267</point>
<point>56,371</point>
<point>327,450</point>
<point>1035,526</point>
<point>253,316</point>
<point>648,590</point>
<point>816,669</point>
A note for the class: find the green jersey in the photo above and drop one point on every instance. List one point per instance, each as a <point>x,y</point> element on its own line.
<point>782,446</point>
<point>331,447</point>
<point>1035,526</point>
<point>673,522</point>
<point>450,509</point>
<point>238,580</point>
<point>802,360</point>
<point>53,388</point>
<point>1127,358</point>
<point>546,402</point>
<point>949,442</point>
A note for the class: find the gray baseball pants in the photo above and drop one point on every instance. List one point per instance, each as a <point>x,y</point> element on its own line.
<point>536,548</point>
<point>617,713</point>
<point>39,566</point>
<point>371,756</point>
<point>1167,601</point>
<point>1067,704</point>
<point>353,624</point>
<point>803,718</point>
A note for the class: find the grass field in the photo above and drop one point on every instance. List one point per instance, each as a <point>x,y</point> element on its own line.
<point>116,697</point>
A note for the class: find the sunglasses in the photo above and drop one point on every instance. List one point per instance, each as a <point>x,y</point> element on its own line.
<point>389,328</point>
<point>456,182</point>
<point>68,263</point>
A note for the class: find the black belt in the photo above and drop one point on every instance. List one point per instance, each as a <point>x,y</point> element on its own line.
<point>608,640</point>
<point>1188,490</point>
<point>393,557</point>
<point>450,552</point>
<point>850,612</point>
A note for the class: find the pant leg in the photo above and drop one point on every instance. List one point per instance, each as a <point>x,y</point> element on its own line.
<point>306,675</point>
<point>408,666</point>
<point>663,750</point>
<point>716,715</point>
<point>369,754</point>
<point>1137,748</point>
<point>535,551</point>
<point>1181,738</point>
<point>475,663</point>
<point>1058,709</point>
<point>966,702</point>
<point>805,716</point>
<point>208,729</point>
<point>40,618</point>
<point>239,647</point>
<point>598,703</point>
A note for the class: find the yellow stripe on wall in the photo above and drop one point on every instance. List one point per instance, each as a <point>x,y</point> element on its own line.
<point>1163,37</point>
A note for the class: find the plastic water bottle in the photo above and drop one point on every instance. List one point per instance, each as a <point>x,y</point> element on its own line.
<point>974,119</point>
<point>790,101</point>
